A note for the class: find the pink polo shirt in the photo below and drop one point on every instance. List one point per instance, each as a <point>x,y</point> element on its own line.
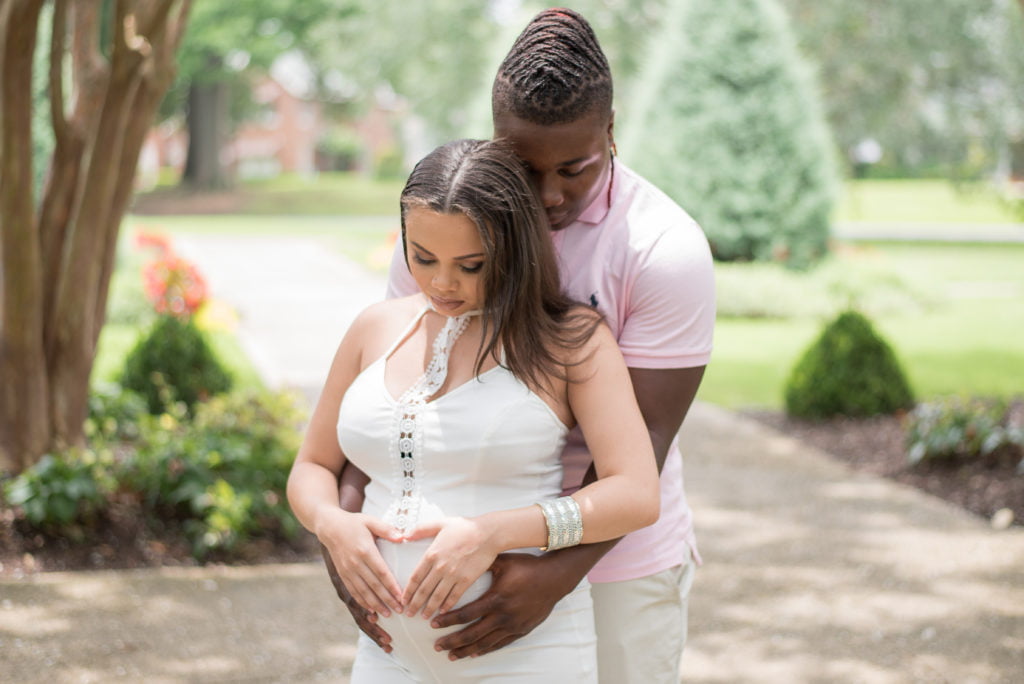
<point>646,265</point>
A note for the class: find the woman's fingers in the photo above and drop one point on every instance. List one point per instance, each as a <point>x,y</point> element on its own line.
<point>424,531</point>
<point>382,581</point>
<point>381,529</point>
<point>458,589</point>
<point>416,593</point>
<point>384,588</point>
<point>438,592</point>
<point>365,596</point>
<point>445,599</point>
<point>364,571</point>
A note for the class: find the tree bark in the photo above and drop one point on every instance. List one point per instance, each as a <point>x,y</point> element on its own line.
<point>64,186</point>
<point>56,274</point>
<point>207,123</point>
<point>24,428</point>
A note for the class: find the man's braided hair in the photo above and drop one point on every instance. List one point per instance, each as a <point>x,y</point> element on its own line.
<point>555,72</point>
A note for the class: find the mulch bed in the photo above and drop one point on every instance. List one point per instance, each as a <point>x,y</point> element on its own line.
<point>876,445</point>
<point>120,541</point>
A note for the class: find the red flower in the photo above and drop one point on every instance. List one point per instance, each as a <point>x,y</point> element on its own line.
<point>173,284</point>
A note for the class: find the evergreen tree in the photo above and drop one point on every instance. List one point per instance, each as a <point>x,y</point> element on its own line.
<point>728,124</point>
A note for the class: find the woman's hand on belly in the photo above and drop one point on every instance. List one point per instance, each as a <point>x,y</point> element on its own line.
<point>461,552</point>
<point>350,539</point>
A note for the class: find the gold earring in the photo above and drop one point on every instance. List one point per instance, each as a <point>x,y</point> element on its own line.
<point>615,151</point>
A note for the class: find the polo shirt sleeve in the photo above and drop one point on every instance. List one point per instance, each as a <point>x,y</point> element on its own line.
<point>400,281</point>
<point>671,305</point>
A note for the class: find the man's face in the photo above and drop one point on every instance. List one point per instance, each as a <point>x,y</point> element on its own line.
<point>569,163</point>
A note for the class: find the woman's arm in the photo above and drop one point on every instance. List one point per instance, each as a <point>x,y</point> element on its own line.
<point>625,498</point>
<point>313,488</point>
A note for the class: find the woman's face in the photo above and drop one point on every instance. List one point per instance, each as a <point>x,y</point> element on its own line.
<point>569,163</point>
<point>446,258</point>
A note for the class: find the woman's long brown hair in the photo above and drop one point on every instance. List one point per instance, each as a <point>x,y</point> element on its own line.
<point>525,309</point>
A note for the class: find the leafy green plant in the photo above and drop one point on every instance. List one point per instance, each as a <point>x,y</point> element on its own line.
<point>115,414</point>
<point>221,473</point>
<point>216,476</point>
<point>177,353</point>
<point>850,371</point>
<point>63,492</point>
<point>954,429</point>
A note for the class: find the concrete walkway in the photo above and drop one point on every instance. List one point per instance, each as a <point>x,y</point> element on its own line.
<point>812,573</point>
<point>930,232</point>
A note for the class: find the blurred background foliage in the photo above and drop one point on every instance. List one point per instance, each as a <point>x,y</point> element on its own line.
<point>935,87</point>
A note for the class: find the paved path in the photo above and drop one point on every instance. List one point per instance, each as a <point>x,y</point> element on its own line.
<point>931,232</point>
<point>295,300</point>
<point>812,573</point>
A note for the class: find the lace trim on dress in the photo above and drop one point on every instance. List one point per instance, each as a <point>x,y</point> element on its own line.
<point>406,446</point>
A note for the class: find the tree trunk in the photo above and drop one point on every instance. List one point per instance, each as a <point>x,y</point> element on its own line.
<point>207,123</point>
<point>24,427</point>
<point>56,274</point>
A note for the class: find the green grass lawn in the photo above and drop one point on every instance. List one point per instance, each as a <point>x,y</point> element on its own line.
<point>967,339</point>
<point>350,194</point>
<point>922,201</point>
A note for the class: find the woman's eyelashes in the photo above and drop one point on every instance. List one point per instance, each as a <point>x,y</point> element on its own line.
<point>465,268</point>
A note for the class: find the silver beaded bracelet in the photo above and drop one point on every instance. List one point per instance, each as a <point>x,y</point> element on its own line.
<point>564,521</point>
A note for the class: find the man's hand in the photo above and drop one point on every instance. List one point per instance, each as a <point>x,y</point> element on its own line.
<point>524,589</point>
<point>365,620</point>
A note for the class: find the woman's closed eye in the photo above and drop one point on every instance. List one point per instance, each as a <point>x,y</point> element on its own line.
<point>472,268</point>
<point>423,261</point>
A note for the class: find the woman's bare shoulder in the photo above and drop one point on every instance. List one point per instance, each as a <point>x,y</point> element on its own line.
<point>390,310</point>
<point>382,321</point>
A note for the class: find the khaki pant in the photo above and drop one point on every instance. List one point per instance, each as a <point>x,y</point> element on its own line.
<point>641,626</point>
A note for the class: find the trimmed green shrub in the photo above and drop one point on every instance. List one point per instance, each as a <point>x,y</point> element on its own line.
<point>848,371</point>
<point>726,121</point>
<point>175,356</point>
<point>951,430</point>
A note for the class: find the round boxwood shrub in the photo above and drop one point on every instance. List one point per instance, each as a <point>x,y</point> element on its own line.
<point>174,358</point>
<point>849,371</point>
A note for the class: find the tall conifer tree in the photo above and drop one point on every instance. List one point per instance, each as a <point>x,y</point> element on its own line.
<point>728,123</point>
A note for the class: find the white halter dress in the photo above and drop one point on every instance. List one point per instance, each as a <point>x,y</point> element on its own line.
<point>488,444</point>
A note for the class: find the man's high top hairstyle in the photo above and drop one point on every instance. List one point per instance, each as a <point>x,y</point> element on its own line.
<point>555,72</point>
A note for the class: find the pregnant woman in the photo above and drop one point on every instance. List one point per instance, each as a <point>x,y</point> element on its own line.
<point>456,402</point>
